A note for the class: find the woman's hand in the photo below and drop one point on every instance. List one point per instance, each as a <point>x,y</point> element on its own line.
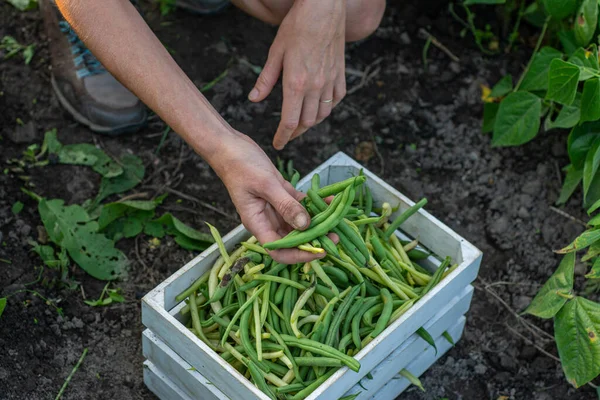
<point>268,205</point>
<point>309,47</point>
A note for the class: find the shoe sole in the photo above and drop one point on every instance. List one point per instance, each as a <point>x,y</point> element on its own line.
<point>104,130</point>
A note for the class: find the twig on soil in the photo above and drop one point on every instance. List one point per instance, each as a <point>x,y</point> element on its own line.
<point>133,196</point>
<point>82,292</point>
<point>568,216</point>
<point>428,36</point>
<point>381,160</point>
<point>535,330</point>
<point>197,201</point>
<point>525,338</point>
<point>75,368</point>
<point>137,253</point>
<point>558,174</point>
<point>367,76</point>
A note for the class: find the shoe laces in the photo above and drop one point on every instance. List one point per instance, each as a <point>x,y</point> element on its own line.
<point>85,62</point>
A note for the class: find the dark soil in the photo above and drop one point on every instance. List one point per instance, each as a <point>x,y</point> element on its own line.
<point>426,124</point>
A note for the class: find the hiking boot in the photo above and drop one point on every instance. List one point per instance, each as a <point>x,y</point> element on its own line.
<point>83,86</point>
<point>204,7</point>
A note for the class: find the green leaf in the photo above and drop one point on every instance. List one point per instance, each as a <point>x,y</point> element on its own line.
<point>48,256</point>
<point>595,221</point>
<point>51,143</point>
<point>518,119</point>
<point>580,141</point>
<point>595,271</point>
<point>537,76</point>
<point>568,41</point>
<point>593,251</point>
<point>447,336</point>
<point>24,5</point>
<point>594,207</point>
<point>28,53</point>
<point>562,82</point>
<point>185,236</point>
<point>590,168</point>
<point>568,116</point>
<point>133,173</point>
<point>2,305</point>
<point>582,241</point>
<point>112,211</point>
<point>128,226</point>
<point>593,193</point>
<point>490,110</point>
<point>70,227</point>
<point>587,61</point>
<point>576,329</point>
<point>17,207</point>
<point>412,379</point>
<point>590,101</point>
<point>572,181</point>
<point>503,87</point>
<point>426,336</point>
<point>88,154</point>
<point>586,21</point>
<point>560,9</point>
<point>555,292</point>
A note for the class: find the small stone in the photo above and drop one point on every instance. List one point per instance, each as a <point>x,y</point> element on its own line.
<point>454,67</point>
<point>507,362</point>
<point>405,39</point>
<point>523,213</point>
<point>26,133</point>
<point>500,225</point>
<point>532,187</point>
<point>480,369</point>
<point>528,353</point>
<point>55,329</point>
<point>126,333</point>
<point>77,323</point>
<point>580,268</point>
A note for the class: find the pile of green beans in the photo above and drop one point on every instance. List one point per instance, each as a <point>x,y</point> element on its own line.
<point>288,328</point>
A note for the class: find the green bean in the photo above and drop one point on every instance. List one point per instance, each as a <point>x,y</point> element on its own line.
<point>356,320</point>
<point>321,349</point>
<point>329,246</point>
<point>194,287</point>
<point>295,178</point>
<point>240,311</point>
<point>401,310</point>
<point>334,328</point>
<point>246,342</point>
<point>292,387</point>
<point>217,236</point>
<point>352,269</point>
<point>321,214</point>
<point>224,311</point>
<point>265,303</point>
<point>320,289</point>
<point>403,217</point>
<point>259,380</point>
<point>366,221</point>
<point>337,187</point>
<point>347,338</point>
<point>196,322</point>
<point>350,315</point>
<point>277,267</point>
<point>223,322</point>
<point>286,350</point>
<point>316,267</point>
<point>384,318</point>
<point>375,310</point>
<point>316,231</point>
<point>228,278</point>
<point>351,249</point>
<point>315,182</point>
<point>437,276</point>
<point>278,279</point>
<point>273,318</point>
<point>319,362</point>
<point>257,327</point>
<point>386,279</point>
<point>368,201</point>
<point>299,305</point>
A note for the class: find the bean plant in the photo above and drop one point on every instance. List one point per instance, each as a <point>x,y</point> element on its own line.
<point>560,89</point>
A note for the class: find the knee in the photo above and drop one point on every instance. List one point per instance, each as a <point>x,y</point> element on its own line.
<point>364,19</point>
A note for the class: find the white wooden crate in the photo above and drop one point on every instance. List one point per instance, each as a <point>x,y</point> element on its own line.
<point>161,385</point>
<point>194,384</point>
<point>159,306</point>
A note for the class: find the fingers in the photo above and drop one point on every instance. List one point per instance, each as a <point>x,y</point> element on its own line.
<point>308,119</point>
<point>298,195</point>
<point>268,76</point>
<point>294,256</point>
<point>287,206</point>
<point>339,89</point>
<point>325,103</point>
<point>290,114</point>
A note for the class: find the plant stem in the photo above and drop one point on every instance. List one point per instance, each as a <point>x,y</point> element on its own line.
<point>515,31</point>
<point>535,51</point>
<point>75,368</point>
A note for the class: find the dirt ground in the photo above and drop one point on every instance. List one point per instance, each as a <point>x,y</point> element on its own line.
<point>426,125</point>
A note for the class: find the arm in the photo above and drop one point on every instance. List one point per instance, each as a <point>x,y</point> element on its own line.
<point>121,40</point>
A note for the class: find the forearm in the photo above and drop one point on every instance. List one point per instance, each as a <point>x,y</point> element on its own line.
<point>121,40</point>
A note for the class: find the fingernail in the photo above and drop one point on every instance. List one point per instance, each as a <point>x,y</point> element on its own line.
<point>253,94</point>
<point>300,221</point>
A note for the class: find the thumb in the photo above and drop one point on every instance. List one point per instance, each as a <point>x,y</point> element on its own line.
<point>288,207</point>
<point>268,76</point>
